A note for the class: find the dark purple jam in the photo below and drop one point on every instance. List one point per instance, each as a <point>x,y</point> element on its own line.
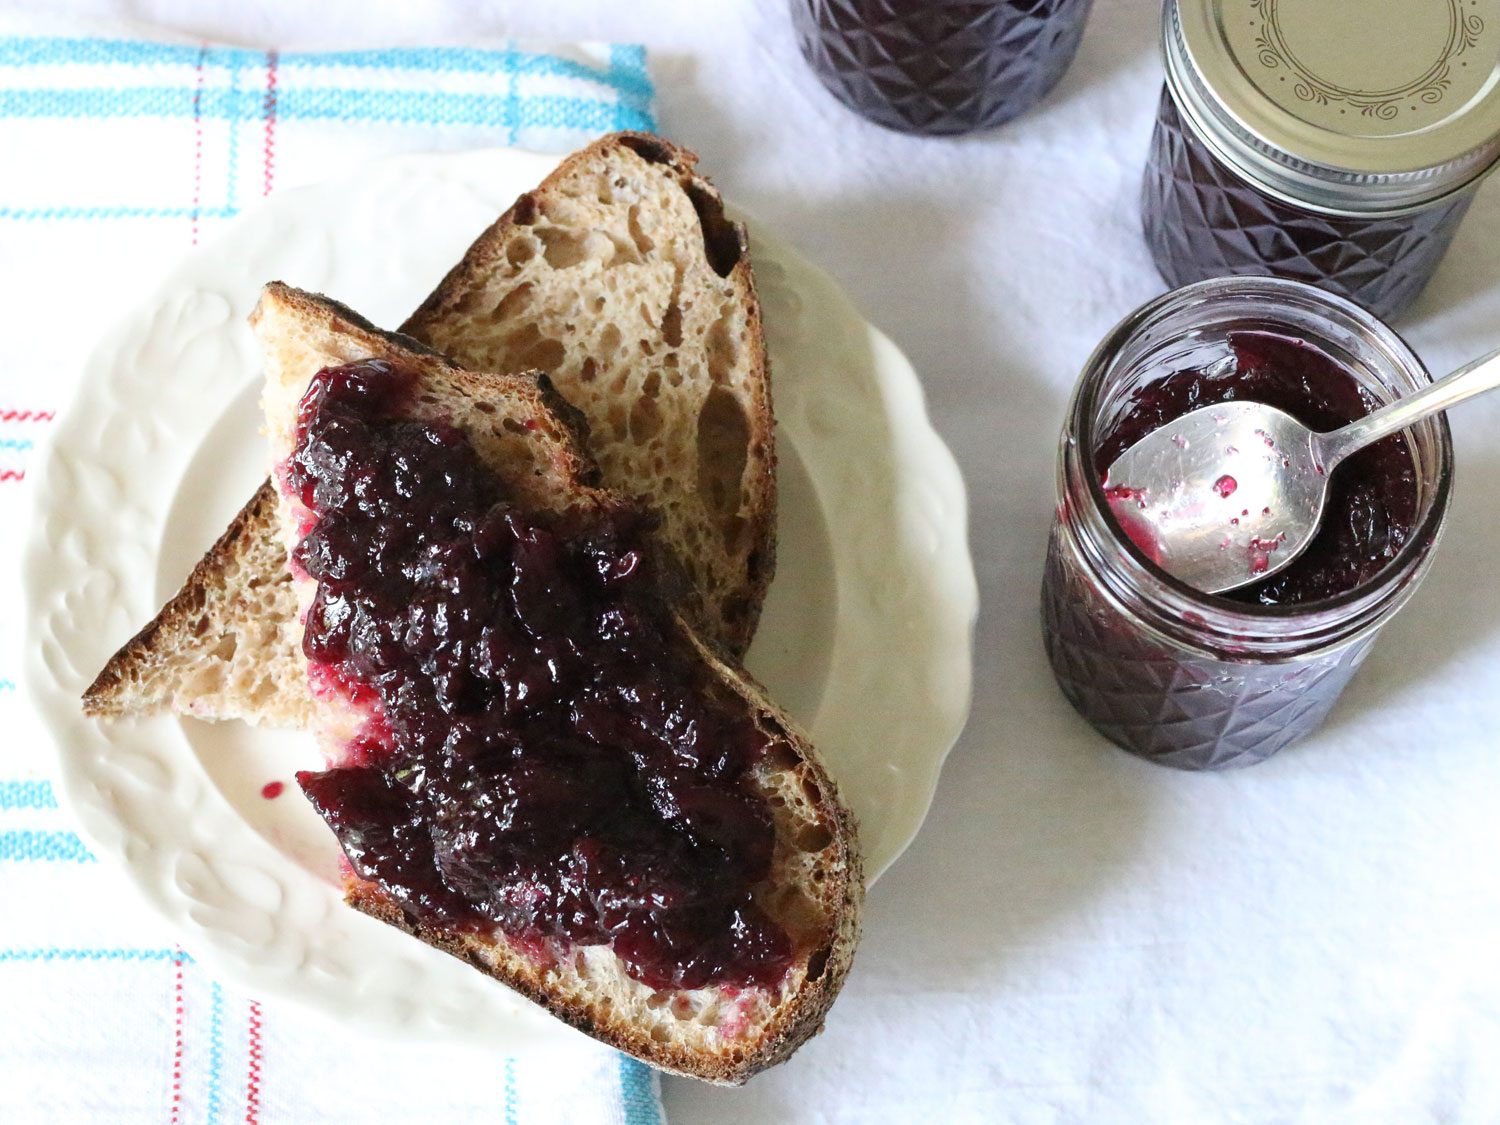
<point>1372,497</point>
<point>1203,220</point>
<point>939,68</point>
<point>542,754</point>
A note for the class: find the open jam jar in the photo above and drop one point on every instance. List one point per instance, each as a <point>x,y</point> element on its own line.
<point>939,66</point>
<point>1321,140</point>
<point>1200,681</point>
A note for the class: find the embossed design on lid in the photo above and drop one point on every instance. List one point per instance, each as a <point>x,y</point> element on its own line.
<point>1342,105</point>
<point>1399,66</point>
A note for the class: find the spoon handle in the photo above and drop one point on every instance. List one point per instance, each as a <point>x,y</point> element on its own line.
<point>1474,378</point>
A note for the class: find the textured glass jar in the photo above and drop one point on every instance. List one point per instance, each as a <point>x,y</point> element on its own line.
<point>1202,220</point>
<point>1287,145</point>
<point>1164,671</point>
<point>939,66</point>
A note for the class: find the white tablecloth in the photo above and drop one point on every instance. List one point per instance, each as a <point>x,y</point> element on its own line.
<point>1076,935</point>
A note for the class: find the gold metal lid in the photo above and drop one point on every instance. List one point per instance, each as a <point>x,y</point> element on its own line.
<point>1343,105</point>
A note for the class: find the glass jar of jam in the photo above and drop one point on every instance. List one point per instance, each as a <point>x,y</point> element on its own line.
<point>1200,681</point>
<point>939,66</point>
<point>1329,141</point>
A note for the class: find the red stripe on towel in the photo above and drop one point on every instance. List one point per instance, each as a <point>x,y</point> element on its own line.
<point>177,1037</point>
<point>270,114</point>
<point>252,1078</point>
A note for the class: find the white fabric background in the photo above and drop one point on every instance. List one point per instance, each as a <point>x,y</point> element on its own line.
<point>1078,936</point>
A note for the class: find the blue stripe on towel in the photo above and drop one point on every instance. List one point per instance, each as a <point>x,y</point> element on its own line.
<point>26,795</point>
<point>33,213</point>
<point>326,103</point>
<point>42,847</point>
<point>626,72</point>
<point>636,1096</point>
<point>55,953</point>
<point>215,1050</point>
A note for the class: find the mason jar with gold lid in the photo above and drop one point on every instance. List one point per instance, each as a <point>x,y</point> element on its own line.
<point>1336,142</point>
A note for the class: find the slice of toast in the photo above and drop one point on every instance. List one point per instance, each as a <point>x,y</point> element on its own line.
<point>227,646</point>
<point>621,276</point>
<point>815,889</point>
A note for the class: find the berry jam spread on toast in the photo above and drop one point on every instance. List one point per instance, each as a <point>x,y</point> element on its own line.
<point>546,753</point>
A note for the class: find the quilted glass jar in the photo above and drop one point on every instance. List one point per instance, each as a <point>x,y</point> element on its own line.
<point>1315,140</point>
<point>1180,677</point>
<point>939,66</point>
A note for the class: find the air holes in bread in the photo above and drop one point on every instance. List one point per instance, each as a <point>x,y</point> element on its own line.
<point>530,349</point>
<point>565,248</point>
<point>485,407</point>
<point>521,249</point>
<point>723,432</point>
<point>548,355</point>
<point>513,303</point>
<point>722,351</point>
<point>796,910</point>
<point>616,419</point>
<point>645,420</point>
<point>588,371</point>
<point>671,325</point>
<point>648,149</point>
<point>523,211</point>
<point>609,339</point>
<point>781,757</point>
<point>721,238</point>
<point>816,964</point>
<point>813,837</point>
<point>643,241</point>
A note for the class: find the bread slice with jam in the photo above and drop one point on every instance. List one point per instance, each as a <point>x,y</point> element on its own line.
<point>534,762</point>
<point>619,276</point>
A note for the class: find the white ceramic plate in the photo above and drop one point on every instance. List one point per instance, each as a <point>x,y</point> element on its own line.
<point>866,637</point>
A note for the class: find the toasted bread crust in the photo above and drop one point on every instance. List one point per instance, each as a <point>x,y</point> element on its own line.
<point>726,597</point>
<point>816,889</point>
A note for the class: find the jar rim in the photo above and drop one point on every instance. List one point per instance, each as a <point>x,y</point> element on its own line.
<point>1211,622</point>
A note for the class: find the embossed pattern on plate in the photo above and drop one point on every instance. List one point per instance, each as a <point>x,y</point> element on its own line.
<point>866,637</point>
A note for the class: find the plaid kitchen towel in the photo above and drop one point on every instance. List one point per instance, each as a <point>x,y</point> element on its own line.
<point>117,154</point>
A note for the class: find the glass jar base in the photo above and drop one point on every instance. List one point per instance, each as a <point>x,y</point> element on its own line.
<point>1169,709</point>
<point>939,70</point>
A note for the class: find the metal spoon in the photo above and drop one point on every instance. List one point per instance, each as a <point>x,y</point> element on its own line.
<point>1230,494</point>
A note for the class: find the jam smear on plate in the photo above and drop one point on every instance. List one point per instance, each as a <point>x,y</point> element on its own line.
<point>544,752</point>
<point>1372,497</point>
